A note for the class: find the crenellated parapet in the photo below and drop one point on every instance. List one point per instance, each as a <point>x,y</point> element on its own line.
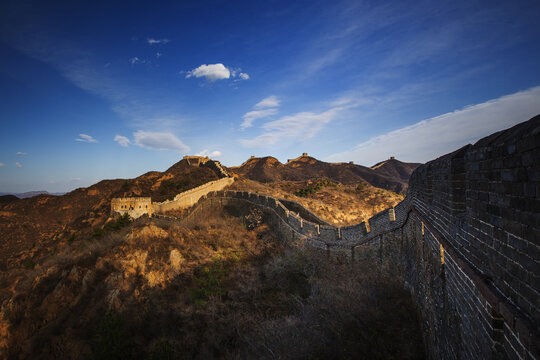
<point>465,240</point>
<point>306,225</point>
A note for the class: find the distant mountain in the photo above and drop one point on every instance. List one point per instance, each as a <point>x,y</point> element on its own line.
<point>392,176</point>
<point>30,194</point>
<point>395,169</point>
<point>266,169</point>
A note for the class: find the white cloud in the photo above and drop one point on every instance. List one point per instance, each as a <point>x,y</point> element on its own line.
<point>122,140</point>
<point>298,127</point>
<point>2,164</point>
<point>136,60</point>
<point>243,76</point>
<point>158,55</point>
<point>74,179</point>
<point>210,154</point>
<point>269,105</point>
<point>86,138</point>
<point>153,41</point>
<point>18,164</point>
<point>431,138</point>
<point>211,72</point>
<point>251,116</point>
<point>159,141</point>
<point>271,101</point>
<point>21,153</point>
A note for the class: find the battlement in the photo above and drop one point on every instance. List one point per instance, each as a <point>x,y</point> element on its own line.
<point>205,161</point>
<point>465,239</point>
<point>301,156</point>
<point>195,160</point>
<point>138,206</point>
<point>134,206</point>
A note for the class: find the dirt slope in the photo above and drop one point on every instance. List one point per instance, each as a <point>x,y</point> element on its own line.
<point>395,169</point>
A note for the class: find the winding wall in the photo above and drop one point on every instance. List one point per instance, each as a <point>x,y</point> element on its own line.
<point>466,239</point>
<point>188,198</point>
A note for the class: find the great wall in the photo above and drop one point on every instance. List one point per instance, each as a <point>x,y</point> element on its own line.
<point>465,240</point>
<point>138,206</point>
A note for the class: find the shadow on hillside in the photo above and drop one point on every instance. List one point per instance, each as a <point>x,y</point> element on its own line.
<point>222,287</point>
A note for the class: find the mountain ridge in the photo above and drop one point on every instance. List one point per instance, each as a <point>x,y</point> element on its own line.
<point>390,175</point>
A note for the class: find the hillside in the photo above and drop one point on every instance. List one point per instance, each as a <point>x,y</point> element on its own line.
<point>335,203</point>
<point>5,199</point>
<point>212,289</point>
<point>224,286</point>
<point>395,169</point>
<point>35,225</point>
<point>32,226</point>
<point>268,169</point>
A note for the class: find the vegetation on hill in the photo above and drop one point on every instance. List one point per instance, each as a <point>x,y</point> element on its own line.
<point>394,175</point>
<point>33,227</point>
<point>157,289</point>
<point>335,203</point>
<point>314,187</point>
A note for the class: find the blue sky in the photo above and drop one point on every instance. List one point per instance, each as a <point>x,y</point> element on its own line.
<point>101,90</point>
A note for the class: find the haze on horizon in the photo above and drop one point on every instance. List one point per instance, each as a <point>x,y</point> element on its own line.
<point>100,90</point>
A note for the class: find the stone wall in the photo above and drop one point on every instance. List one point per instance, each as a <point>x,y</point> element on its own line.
<point>138,206</point>
<point>465,239</point>
<point>190,197</point>
<point>482,203</point>
<point>134,206</point>
<point>205,161</point>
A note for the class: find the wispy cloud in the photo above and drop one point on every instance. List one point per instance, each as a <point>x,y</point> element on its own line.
<point>21,153</point>
<point>210,154</point>
<point>2,164</point>
<point>243,76</point>
<point>122,140</point>
<point>271,101</point>
<point>158,55</point>
<point>298,127</point>
<point>428,139</point>
<point>136,60</point>
<point>153,41</point>
<point>76,179</point>
<point>264,108</point>
<point>86,138</point>
<point>159,141</point>
<point>251,116</point>
<point>18,164</point>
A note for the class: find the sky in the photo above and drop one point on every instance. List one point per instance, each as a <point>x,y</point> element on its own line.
<point>113,89</point>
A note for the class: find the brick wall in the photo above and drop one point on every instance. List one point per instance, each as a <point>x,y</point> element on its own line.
<point>466,241</point>
<point>482,203</point>
<point>134,206</point>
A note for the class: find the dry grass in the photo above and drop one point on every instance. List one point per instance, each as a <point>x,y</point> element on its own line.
<point>210,289</point>
<point>341,205</point>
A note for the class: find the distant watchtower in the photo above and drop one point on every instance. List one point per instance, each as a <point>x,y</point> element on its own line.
<point>194,160</point>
